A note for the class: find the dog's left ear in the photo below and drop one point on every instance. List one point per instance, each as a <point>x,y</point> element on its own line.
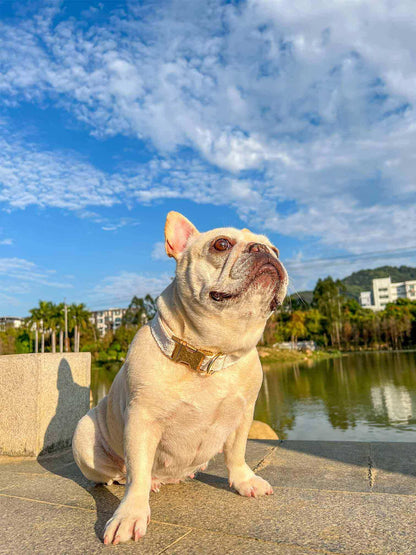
<point>178,231</point>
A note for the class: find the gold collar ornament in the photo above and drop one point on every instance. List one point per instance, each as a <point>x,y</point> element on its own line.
<point>180,351</point>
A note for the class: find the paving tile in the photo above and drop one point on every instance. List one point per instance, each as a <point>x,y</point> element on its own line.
<point>55,489</point>
<point>209,542</point>
<point>57,479</point>
<point>321,503</point>
<point>347,452</point>
<point>394,467</point>
<point>256,451</point>
<point>348,522</point>
<point>13,468</point>
<point>31,527</point>
<point>11,479</point>
<point>320,465</point>
<point>11,471</point>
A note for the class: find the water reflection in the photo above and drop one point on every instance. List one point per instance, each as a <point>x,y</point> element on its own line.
<point>364,397</point>
<point>102,376</point>
<point>370,396</point>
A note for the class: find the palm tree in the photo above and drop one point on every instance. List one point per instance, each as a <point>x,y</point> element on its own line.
<point>44,311</point>
<point>60,312</point>
<point>79,318</point>
<point>56,322</point>
<point>34,321</point>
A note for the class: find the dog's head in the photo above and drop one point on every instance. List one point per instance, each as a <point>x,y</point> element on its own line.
<point>225,271</point>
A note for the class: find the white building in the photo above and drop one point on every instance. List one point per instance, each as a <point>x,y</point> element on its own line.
<point>106,320</point>
<point>384,291</point>
<point>296,346</point>
<point>10,322</point>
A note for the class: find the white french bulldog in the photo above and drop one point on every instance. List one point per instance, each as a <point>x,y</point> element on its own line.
<point>191,377</point>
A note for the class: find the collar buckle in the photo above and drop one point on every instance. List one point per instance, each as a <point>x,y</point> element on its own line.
<point>185,354</point>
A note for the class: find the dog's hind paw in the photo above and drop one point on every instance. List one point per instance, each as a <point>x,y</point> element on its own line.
<point>155,485</point>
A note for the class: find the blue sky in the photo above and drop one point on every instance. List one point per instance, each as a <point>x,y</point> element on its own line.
<point>294,119</point>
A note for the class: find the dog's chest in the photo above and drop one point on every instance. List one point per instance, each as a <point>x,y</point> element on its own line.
<point>198,426</point>
<point>196,414</point>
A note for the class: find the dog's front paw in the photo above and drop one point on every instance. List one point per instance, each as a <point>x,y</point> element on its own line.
<point>253,487</point>
<point>127,522</point>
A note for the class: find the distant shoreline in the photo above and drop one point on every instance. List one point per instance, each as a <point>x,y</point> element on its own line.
<point>272,355</point>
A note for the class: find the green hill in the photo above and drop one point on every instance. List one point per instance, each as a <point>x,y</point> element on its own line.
<point>362,281</point>
<point>301,297</point>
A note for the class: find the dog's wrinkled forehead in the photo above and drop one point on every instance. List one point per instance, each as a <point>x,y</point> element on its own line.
<point>239,237</point>
<point>181,236</point>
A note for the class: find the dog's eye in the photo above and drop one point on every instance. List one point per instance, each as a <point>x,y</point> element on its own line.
<point>222,244</point>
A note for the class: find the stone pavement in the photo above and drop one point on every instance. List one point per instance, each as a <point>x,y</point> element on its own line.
<point>330,497</point>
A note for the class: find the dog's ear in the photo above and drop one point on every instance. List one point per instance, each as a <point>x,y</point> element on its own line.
<point>178,231</point>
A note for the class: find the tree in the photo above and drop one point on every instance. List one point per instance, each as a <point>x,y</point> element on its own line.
<point>23,342</point>
<point>313,323</point>
<point>273,332</point>
<point>79,318</point>
<point>328,297</point>
<point>57,323</point>
<point>140,310</point>
<point>397,324</point>
<point>296,326</point>
<point>8,341</point>
<point>300,300</point>
<point>44,311</point>
<point>34,321</point>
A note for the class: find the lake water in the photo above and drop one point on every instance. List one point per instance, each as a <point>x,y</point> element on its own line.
<point>358,397</point>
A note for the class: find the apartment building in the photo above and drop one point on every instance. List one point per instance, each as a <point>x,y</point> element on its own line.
<point>109,319</point>
<point>384,291</point>
<point>10,322</point>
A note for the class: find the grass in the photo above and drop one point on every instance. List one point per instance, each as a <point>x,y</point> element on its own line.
<point>269,355</point>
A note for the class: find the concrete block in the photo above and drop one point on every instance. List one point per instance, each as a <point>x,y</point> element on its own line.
<point>42,397</point>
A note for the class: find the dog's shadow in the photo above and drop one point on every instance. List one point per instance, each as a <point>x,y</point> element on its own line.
<point>106,502</point>
<point>214,481</point>
<point>56,456</point>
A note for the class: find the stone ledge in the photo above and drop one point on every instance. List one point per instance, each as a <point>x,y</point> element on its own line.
<point>42,397</point>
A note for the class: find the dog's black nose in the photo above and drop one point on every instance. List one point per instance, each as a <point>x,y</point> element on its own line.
<point>257,247</point>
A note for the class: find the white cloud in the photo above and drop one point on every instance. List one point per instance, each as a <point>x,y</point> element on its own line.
<point>18,274</point>
<point>118,224</point>
<point>159,252</point>
<point>9,301</point>
<point>33,176</point>
<point>107,224</point>
<point>299,103</point>
<point>29,175</point>
<point>7,241</point>
<point>118,290</point>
